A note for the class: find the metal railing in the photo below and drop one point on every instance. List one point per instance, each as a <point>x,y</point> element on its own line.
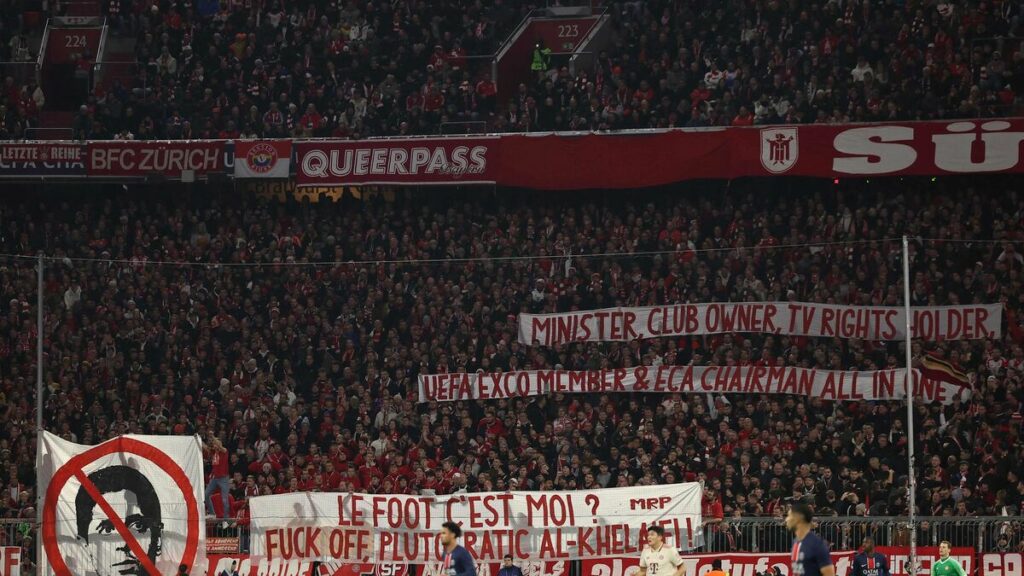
<point>40,133</point>
<point>739,534</point>
<point>465,127</point>
<point>846,533</point>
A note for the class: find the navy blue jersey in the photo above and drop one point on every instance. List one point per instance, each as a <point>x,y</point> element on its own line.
<point>458,563</point>
<point>809,556</point>
<point>873,564</point>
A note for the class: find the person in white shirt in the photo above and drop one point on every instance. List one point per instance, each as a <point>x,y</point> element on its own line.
<point>658,559</point>
<point>862,70</point>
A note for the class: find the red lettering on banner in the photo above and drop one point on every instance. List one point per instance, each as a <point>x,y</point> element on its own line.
<point>884,383</point>
<point>349,544</point>
<point>602,332</point>
<point>614,540</point>
<point>981,318</point>
<point>1002,564</point>
<point>293,542</point>
<point>619,377</point>
<point>804,315</point>
<point>553,510</point>
<point>11,564</point>
<point>649,503</point>
<point>355,515</point>
<point>827,316</point>
<point>641,379</point>
<point>583,537</point>
<point>770,312</point>
<point>539,331</point>
<point>547,546</point>
<point>628,320</point>
<point>490,510</point>
<point>546,380</point>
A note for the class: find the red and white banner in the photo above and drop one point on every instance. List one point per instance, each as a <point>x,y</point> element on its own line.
<point>734,564</point>
<point>821,384</point>
<point>747,564</point>
<point>1005,564</point>
<point>899,557</point>
<point>222,545</point>
<point>404,529</point>
<point>263,158</point>
<point>428,161</point>
<point>887,323</point>
<point>638,160</point>
<point>133,503</point>
<point>144,158</point>
<point>229,565</point>
<point>10,561</point>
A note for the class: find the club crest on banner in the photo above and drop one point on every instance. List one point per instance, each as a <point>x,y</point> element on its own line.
<point>262,157</point>
<point>779,149</point>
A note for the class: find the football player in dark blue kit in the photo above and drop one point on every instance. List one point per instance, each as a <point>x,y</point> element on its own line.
<point>869,562</point>
<point>810,555</point>
<point>456,560</point>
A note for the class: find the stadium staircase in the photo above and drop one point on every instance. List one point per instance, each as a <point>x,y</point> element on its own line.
<point>575,35</point>
<point>71,47</point>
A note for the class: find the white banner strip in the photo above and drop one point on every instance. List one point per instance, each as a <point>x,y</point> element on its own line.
<point>399,528</point>
<point>885,323</point>
<point>823,384</point>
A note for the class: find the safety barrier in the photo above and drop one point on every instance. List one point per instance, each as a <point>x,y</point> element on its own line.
<point>984,534</point>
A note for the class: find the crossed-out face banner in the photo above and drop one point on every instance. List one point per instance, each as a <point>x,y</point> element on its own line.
<point>131,505</point>
<point>405,529</point>
<point>887,323</point>
<point>822,384</point>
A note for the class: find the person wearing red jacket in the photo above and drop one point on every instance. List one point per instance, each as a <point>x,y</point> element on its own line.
<point>219,477</point>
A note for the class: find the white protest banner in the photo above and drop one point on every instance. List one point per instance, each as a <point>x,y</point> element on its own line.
<point>884,323</point>
<point>131,503</point>
<point>823,384</point>
<point>528,525</point>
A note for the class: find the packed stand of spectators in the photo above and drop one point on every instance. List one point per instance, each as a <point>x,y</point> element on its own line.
<point>307,372</point>
<point>21,97</point>
<point>269,68</point>
<point>748,62</point>
<point>313,68</point>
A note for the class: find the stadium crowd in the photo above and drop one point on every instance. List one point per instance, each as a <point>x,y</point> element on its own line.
<point>231,69</point>
<point>306,370</point>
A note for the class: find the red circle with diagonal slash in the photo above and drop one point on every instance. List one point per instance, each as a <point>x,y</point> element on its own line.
<point>76,466</point>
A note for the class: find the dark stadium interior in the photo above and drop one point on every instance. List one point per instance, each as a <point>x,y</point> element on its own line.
<point>291,316</point>
<point>186,309</point>
<point>203,69</point>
